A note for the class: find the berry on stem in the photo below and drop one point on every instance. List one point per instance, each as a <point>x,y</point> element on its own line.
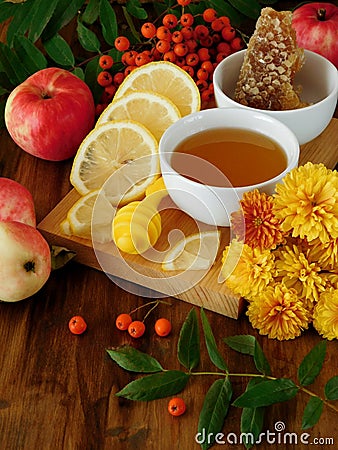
<point>106,62</point>
<point>136,329</point>
<point>123,321</point>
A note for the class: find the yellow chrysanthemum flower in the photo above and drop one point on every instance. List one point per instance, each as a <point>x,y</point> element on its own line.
<point>252,273</point>
<point>278,313</point>
<point>298,273</point>
<point>325,318</point>
<point>326,254</point>
<point>307,202</point>
<point>255,223</point>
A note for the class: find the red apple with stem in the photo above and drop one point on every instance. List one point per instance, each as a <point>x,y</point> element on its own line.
<point>316,26</point>
<point>16,202</point>
<point>50,113</point>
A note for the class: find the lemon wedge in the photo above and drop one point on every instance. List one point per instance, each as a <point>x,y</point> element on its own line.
<point>123,148</point>
<point>194,252</point>
<point>164,78</point>
<point>154,111</point>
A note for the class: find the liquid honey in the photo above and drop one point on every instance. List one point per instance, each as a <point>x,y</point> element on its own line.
<point>229,157</point>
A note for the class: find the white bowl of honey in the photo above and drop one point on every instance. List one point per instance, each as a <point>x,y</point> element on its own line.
<point>210,158</point>
<point>317,82</point>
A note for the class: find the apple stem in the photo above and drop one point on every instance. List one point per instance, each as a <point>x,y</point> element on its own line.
<point>29,266</point>
<point>321,13</point>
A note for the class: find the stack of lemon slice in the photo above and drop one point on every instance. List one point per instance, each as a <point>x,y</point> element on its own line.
<point>124,144</point>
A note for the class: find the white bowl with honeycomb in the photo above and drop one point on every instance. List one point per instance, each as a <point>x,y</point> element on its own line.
<point>317,81</point>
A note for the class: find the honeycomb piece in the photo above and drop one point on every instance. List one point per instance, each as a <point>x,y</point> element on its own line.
<point>270,64</point>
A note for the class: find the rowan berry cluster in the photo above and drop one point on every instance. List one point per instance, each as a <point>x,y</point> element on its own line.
<point>195,43</point>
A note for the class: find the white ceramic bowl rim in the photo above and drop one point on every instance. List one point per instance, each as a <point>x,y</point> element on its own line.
<point>292,160</point>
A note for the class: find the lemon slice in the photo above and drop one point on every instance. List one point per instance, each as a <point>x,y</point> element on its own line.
<point>81,222</point>
<point>194,252</point>
<point>124,148</point>
<point>154,111</point>
<point>167,79</point>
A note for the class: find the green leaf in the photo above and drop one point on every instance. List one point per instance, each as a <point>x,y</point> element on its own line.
<point>14,69</point>
<point>135,8</point>
<point>267,392</point>
<point>189,342</point>
<point>7,10</point>
<point>59,50</point>
<point>131,25</point>
<point>65,11</point>
<point>213,352</point>
<point>261,363</point>
<point>78,71</point>
<point>158,385</point>
<point>251,9</point>
<point>87,38</point>
<point>91,13</point>
<point>40,16</point>
<point>225,9</point>
<point>4,81</point>
<point>30,56</point>
<point>312,412</point>
<point>242,343</point>
<point>108,22</point>
<point>331,388</point>
<point>214,411</point>
<point>252,420</point>
<point>91,71</point>
<point>312,364</point>
<point>20,21</point>
<point>132,359</point>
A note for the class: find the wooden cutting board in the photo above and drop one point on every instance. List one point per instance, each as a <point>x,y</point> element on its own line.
<point>141,275</point>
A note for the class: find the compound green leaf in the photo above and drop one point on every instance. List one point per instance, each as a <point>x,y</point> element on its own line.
<point>21,21</point>
<point>331,388</point>
<point>14,69</point>
<point>242,343</point>
<point>210,342</point>
<point>214,411</point>
<point>261,363</point>
<point>133,360</point>
<point>41,14</point>
<point>65,11</point>
<point>312,364</point>
<point>158,385</point>
<point>91,12</point>
<point>59,50</point>
<point>87,38</point>
<point>30,56</point>
<point>7,10</point>
<point>108,22</point>
<point>312,412</point>
<point>189,342</point>
<point>135,8</point>
<point>252,420</point>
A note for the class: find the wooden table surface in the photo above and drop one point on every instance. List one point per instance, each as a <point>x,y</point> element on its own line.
<point>57,389</point>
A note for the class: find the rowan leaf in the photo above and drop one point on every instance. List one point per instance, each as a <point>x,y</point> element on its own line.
<point>135,8</point>
<point>20,22</point>
<point>78,71</point>
<point>242,343</point>
<point>312,412</point>
<point>30,56</point>
<point>14,69</point>
<point>252,419</point>
<point>91,72</point>
<point>59,50</point>
<point>108,22</point>
<point>129,358</point>
<point>213,351</point>
<point>65,11</point>
<point>267,393</point>
<point>331,388</point>
<point>261,363</point>
<point>189,342</point>
<point>214,411</point>
<point>251,9</point>
<point>312,364</point>
<point>40,16</point>
<point>87,38</point>
<point>158,385</point>
<point>7,10</point>
<point>91,12</point>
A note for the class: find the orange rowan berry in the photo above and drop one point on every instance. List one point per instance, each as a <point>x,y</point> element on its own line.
<point>201,31</point>
<point>217,24</point>
<point>122,43</point>
<point>77,325</point>
<point>237,44</point>
<point>183,2</point>
<point>202,85</point>
<point>202,74</point>
<point>225,20</point>
<point>129,69</point>
<point>104,78</point>
<point>108,93</point>
<point>163,33</point>
<point>163,46</point>
<point>207,95</point>
<point>106,62</point>
<point>99,108</point>
<point>162,327</point>
<point>216,38</point>
<point>176,406</point>
<point>207,41</point>
<point>208,66</point>
<point>224,47</point>
<point>203,54</point>
<point>118,78</point>
<point>220,56</point>
<point>209,14</point>
<point>177,37</point>
<point>192,59</point>
<point>187,19</point>
<point>181,49</point>
<point>192,45</point>
<point>180,61</point>
<point>228,33</point>
<point>123,321</point>
<point>169,56</point>
<point>189,70</point>
<point>148,30</point>
<point>142,58</point>
<point>170,21</point>
<point>128,58</point>
<point>136,329</point>
<point>187,32</point>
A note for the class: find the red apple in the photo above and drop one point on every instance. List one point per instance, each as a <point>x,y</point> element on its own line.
<point>25,262</point>
<point>316,25</point>
<point>16,202</point>
<point>50,113</point>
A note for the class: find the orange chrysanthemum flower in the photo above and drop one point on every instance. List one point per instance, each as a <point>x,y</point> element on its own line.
<point>255,223</point>
<point>307,202</point>
<point>326,254</point>
<point>278,313</point>
<point>252,273</point>
<point>297,272</point>
<point>325,318</point>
